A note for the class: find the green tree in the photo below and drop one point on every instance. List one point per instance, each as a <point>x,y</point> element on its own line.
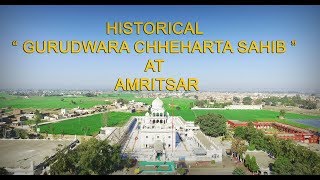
<point>63,133</point>
<point>251,147</point>
<point>123,101</point>
<point>253,166</point>
<point>191,105</point>
<point>301,169</point>
<point>181,171</point>
<point>290,157</point>
<point>247,100</point>
<point>282,166</point>
<point>258,101</point>
<point>66,163</point>
<point>282,113</point>
<point>308,104</point>
<point>240,132</point>
<point>90,95</point>
<point>21,133</point>
<point>212,124</point>
<point>92,157</point>
<point>200,103</point>
<point>238,146</point>
<point>247,160</point>
<point>236,99</point>
<point>3,171</point>
<point>238,171</point>
<point>37,118</point>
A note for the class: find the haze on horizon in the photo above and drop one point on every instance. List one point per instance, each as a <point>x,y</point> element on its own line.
<point>297,69</point>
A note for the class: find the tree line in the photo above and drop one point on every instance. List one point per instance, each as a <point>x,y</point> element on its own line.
<point>206,104</point>
<point>290,158</point>
<point>290,101</point>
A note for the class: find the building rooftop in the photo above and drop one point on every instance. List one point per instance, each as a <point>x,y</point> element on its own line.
<point>208,144</point>
<point>15,153</point>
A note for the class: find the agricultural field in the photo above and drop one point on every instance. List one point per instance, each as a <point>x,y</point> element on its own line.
<point>55,102</point>
<point>38,102</point>
<point>243,115</point>
<point>89,125</point>
<point>261,115</point>
<point>176,106</point>
<point>253,115</point>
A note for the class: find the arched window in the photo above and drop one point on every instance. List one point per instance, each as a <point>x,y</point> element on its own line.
<point>157,114</point>
<point>161,121</point>
<point>154,121</point>
<point>157,120</point>
<point>161,114</point>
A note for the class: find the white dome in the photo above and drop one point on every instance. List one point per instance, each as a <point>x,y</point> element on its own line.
<point>157,103</point>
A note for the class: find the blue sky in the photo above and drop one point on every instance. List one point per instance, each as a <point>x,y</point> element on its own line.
<point>296,69</point>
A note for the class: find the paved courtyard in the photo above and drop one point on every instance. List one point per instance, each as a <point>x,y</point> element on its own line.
<point>226,167</point>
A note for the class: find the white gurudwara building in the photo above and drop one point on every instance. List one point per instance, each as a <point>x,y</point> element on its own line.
<point>156,129</point>
<point>157,136</point>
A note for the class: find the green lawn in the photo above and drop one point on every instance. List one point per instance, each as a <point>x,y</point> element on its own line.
<point>87,125</point>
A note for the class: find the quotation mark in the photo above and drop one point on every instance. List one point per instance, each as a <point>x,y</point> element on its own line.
<point>293,43</point>
<point>14,43</point>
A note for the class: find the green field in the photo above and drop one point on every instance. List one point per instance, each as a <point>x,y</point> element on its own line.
<point>244,115</point>
<point>261,115</point>
<point>91,125</point>
<point>94,122</point>
<point>253,115</point>
<point>37,102</point>
<point>87,125</point>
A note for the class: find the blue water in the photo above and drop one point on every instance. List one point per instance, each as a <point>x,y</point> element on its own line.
<point>310,122</point>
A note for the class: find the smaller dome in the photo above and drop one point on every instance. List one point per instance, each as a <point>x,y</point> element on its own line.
<point>157,103</point>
